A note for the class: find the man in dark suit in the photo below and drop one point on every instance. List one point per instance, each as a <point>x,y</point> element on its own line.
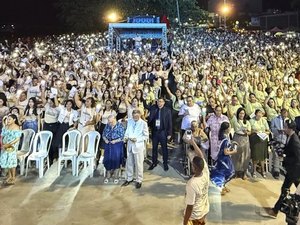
<point>148,76</point>
<point>291,163</point>
<point>160,121</point>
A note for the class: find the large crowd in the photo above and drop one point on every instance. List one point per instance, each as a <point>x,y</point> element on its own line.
<point>218,85</point>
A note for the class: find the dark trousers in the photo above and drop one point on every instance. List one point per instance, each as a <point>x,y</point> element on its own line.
<point>53,128</point>
<point>159,137</point>
<point>287,183</point>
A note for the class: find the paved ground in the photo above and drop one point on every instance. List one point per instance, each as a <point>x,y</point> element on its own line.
<point>68,200</point>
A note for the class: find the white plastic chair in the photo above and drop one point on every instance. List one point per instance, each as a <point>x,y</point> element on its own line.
<point>40,151</point>
<point>90,141</point>
<point>26,147</point>
<point>69,150</point>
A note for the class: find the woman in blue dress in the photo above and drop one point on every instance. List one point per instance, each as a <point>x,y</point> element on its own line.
<point>11,134</point>
<point>223,170</point>
<point>113,135</point>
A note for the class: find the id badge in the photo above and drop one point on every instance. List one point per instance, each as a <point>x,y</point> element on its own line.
<point>157,123</point>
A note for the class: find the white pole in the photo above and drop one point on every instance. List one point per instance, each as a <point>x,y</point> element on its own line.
<point>178,13</point>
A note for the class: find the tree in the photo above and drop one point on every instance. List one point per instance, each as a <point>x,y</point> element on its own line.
<point>79,15</point>
<point>188,8</point>
<point>88,15</point>
<point>295,4</point>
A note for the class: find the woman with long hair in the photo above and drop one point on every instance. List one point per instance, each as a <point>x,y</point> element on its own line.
<point>87,119</point>
<point>31,116</point>
<point>242,129</point>
<point>259,142</point>
<point>11,134</point>
<point>223,170</point>
<point>121,107</point>
<point>213,124</point>
<point>67,118</point>
<point>103,118</point>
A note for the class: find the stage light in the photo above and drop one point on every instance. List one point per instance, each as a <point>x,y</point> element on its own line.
<point>225,9</point>
<point>112,17</point>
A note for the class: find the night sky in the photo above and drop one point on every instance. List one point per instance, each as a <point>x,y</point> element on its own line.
<point>41,13</point>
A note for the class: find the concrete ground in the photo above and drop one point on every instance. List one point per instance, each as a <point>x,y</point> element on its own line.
<point>68,200</point>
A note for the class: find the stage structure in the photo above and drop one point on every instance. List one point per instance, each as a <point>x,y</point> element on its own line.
<point>137,28</point>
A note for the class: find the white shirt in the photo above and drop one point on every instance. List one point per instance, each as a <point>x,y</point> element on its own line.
<point>51,114</point>
<point>138,130</point>
<point>197,194</point>
<point>73,116</point>
<point>33,91</point>
<point>193,114</point>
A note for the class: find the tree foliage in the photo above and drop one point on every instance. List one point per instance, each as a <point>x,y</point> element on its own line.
<point>295,4</point>
<point>88,15</point>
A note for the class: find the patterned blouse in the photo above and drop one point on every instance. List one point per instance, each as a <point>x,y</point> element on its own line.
<point>113,133</point>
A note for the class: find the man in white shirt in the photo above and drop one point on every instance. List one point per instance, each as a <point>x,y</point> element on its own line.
<point>190,112</point>
<point>196,199</point>
<point>136,134</point>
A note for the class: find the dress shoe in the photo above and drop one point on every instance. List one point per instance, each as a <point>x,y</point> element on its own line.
<point>126,183</point>
<point>271,212</point>
<point>276,175</point>
<point>166,167</point>
<point>138,185</point>
<point>153,165</point>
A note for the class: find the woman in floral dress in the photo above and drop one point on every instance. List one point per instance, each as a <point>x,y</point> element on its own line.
<point>11,134</point>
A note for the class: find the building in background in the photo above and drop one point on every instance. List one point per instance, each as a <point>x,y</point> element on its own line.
<point>283,21</point>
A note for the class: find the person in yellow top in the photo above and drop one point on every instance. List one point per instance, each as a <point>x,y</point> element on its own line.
<point>294,109</point>
<point>252,105</point>
<point>232,108</point>
<point>271,109</point>
<point>242,129</point>
<point>279,99</point>
<point>259,141</point>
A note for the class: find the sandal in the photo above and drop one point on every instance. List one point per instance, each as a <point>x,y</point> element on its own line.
<point>226,189</point>
<point>254,175</point>
<point>223,192</point>
<point>264,175</point>
<point>116,181</point>
<point>11,182</point>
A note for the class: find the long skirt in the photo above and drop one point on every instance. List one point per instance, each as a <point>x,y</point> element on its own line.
<point>259,148</point>
<point>222,172</point>
<point>113,156</point>
<point>242,158</point>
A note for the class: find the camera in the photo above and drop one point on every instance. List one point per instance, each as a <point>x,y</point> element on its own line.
<point>188,134</point>
<point>291,207</point>
<point>277,147</point>
<point>234,146</point>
